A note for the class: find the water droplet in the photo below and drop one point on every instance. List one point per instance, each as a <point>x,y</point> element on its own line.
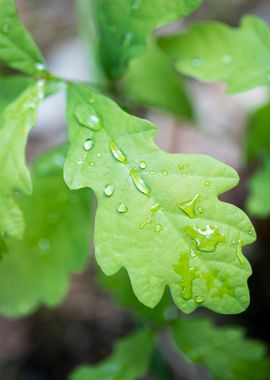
<point>79,162</point>
<point>5,28</point>
<point>165,172</point>
<point>88,144</point>
<point>40,67</point>
<point>44,245</point>
<point>155,207</point>
<point>158,228</point>
<point>250,232</point>
<point>192,253</point>
<point>196,62</point>
<point>187,274</point>
<point>139,183</point>
<point>201,210</point>
<point>86,116</point>
<point>239,252</point>
<point>207,183</point>
<point>109,190</point>
<point>142,164</point>
<point>122,208</point>
<point>227,58</point>
<point>117,153</point>
<point>233,242</point>
<point>206,239</point>
<point>143,224</point>
<point>181,166</point>
<point>152,172</point>
<point>99,155</point>
<point>188,207</point>
<point>199,299</point>
<point>92,164</point>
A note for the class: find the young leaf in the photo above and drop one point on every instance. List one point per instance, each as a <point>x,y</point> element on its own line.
<point>258,202</point>
<point>225,352</point>
<point>211,51</point>
<point>162,87</point>
<point>16,121</point>
<point>158,213</point>
<point>129,361</point>
<point>37,269</point>
<point>258,133</point>
<point>125,24</point>
<point>17,49</point>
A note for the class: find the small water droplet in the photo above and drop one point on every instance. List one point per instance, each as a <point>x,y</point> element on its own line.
<point>143,224</point>
<point>142,164</point>
<point>188,207</point>
<point>233,242</point>
<point>139,183</point>
<point>181,166</point>
<point>199,299</point>
<point>79,162</point>
<point>158,228</point>
<point>92,164</point>
<point>155,207</point>
<point>227,58</point>
<point>196,61</point>
<point>207,183</point>
<point>87,116</point>
<point>99,155</point>
<point>152,172</point>
<point>88,144</point>
<point>109,190</point>
<point>164,172</point>
<point>117,153</point>
<point>207,238</point>
<point>122,208</point>
<point>201,210</point>
<point>239,252</point>
<point>44,245</point>
<point>250,232</point>
<point>192,253</point>
<point>5,28</point>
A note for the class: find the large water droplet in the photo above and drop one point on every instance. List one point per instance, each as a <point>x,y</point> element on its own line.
<point>139,183</point>
<point>88,144</point>
<point>117,153</point>
<point>199,299</point>
<point>239,252</point>
<point>86,116</point>
<point>142,164</point>
<point>196,62</point>
<point>109,190</point>
<point>206,239</point>
<point>189,206</point>
<point>122,208</point>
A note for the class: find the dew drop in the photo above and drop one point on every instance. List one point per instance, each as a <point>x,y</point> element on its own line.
<point>88,144</point>
<point>206,239</point>
<point>40,67</point>
<point>233,242</point>
<point>187,275</point>
<point>86,116</point>
<point>92,164</point>
<point>79,162</point>
<point>152,172</point>
<point>188,207</point>
<point>158,228</point>
<point>155,207</point>
<point>199,299</point>
<point>165,172</point>
<point>250,232</point>
<point>192,253</point>
<point>117,153</point>
<point>139,183</point>
<point>109,190</point>
<point>122,208</point>
<point>196,62</point>
<point>99,155</point>
<point>145,223</point>
<point>142,164</point>
<point>239,252</point>
<point>201,210</point>
<point>181,166</point>
<point>207,183</point>
<point>5,28</point>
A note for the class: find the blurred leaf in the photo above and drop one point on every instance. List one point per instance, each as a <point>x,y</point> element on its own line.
<point>152,81</point>
<point>16,120</point>
<point>258,133</point>
<point>129,361</point>
<point>258,202</point>
<point>120,288</point>
<point>11,87</point>
<point>37,269</point>
<point>211,51</point>
<point>17,49</point>
<point>158,214</point>
<point>125,24</point>
<point>225,352</point>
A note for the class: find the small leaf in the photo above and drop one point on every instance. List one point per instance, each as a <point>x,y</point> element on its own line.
<point>36,271</point>
<point>124,25</point>
<point>16,121</point>
<point>17,49</point>
<point>129,361</point>
<point>211,51</point>
<point>162,87</point>
<point>258,133</point>
<point>225,352</point>
<point>258,203</point>
<point>145,224</point>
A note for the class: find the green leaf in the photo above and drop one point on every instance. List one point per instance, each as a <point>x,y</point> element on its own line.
<point>258,202</point>
<point>258,133</point>
<point>17,49</point>
<point>125,24</point>
<point>11,87</point>
<point>211,51</point>
<point>16,121</point>
<point>162,87</point>
<point>36,271</point>
<point>158,213</point>
<point>129,361</point>
<point>225,352</point>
